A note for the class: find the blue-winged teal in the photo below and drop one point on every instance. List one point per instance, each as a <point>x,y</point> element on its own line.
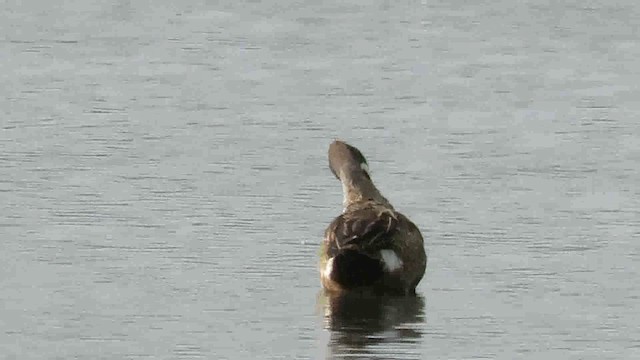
<point>370,247</point>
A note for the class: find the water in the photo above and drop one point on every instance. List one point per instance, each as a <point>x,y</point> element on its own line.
<point>164,181</point>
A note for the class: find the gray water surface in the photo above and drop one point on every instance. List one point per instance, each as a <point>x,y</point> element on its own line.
<point>164,183</point>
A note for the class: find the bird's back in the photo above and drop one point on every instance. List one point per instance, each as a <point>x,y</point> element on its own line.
<point>372,247</point>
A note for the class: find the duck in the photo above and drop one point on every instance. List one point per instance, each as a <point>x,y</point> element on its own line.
<point>370,247</point>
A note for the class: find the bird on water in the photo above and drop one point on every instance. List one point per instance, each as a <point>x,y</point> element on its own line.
<point>370,247</point>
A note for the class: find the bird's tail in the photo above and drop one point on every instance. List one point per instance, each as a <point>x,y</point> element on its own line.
<point>352,268</point>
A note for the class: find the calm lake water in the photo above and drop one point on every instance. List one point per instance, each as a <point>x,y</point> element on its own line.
<point>164,183</point>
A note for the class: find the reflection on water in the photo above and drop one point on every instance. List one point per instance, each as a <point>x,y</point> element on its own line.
<point>372,326</point>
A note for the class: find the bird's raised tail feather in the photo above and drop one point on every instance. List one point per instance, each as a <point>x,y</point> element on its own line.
<point>353,269</point>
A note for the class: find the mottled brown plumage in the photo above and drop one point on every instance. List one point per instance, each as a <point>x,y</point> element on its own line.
<point>367,226</point>
<point>369,247</point>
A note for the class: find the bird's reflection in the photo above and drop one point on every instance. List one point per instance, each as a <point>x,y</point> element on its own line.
<point>361,325</point>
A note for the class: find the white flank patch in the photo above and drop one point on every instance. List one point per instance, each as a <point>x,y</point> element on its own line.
<point>391,261</point>
<point>326,272</point>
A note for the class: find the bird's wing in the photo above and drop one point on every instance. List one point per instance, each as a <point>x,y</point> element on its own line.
<point>366,229</point>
